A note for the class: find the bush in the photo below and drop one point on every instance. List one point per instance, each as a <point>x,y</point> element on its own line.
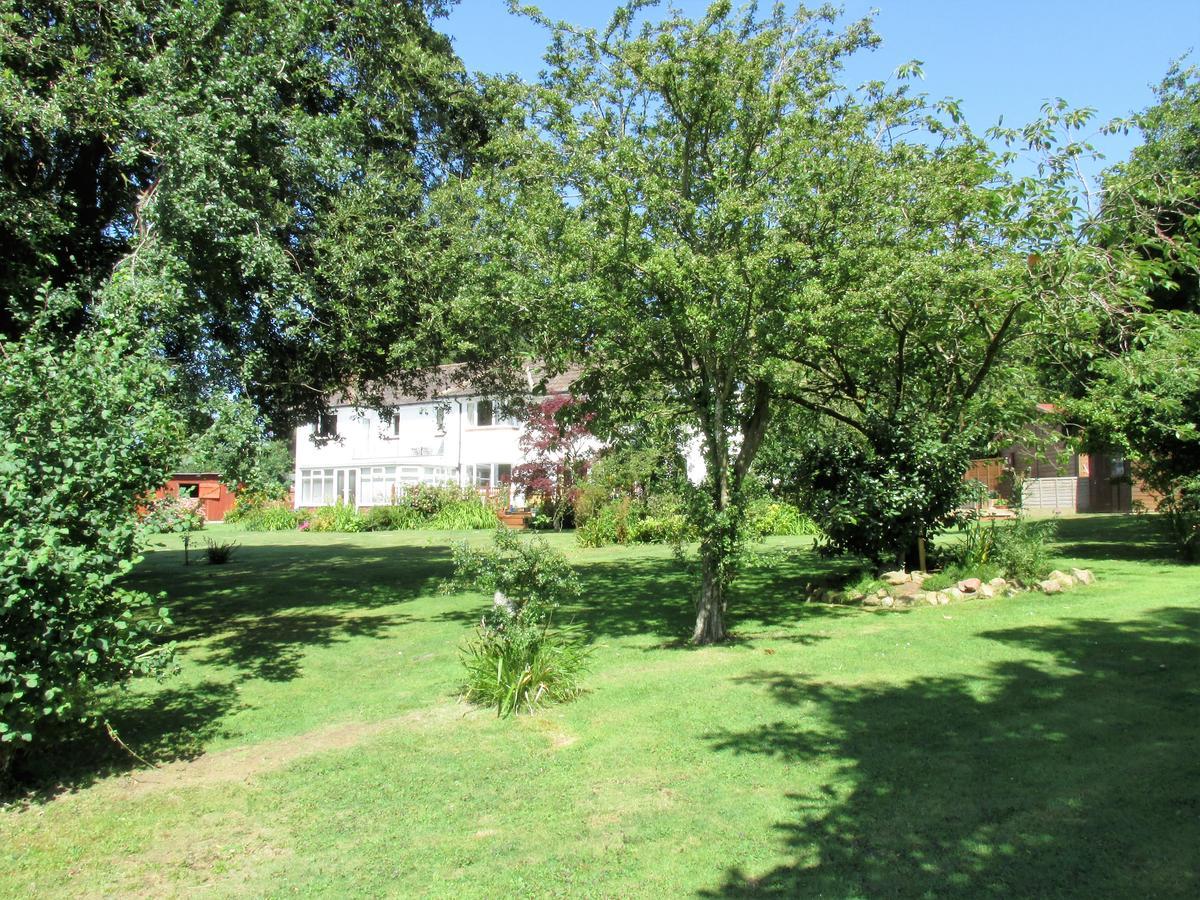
<point>517,659</point>
<point>669,529</point>
<point>877,495</point>
<point>338,517</point>
<point>85,430</point>
<point>658,520</point>
<point>464,515</point>
<point>269,517</point>
<point>772,517</point>
<point>607,524</point>
<point>1181,510</point>
<point>218,554</point>
<point>427,500</point>
<point>1020,550</point>
<point>523,668</point>
<point>173,515</point>
<point>393,517</point>
<point>249,502</point>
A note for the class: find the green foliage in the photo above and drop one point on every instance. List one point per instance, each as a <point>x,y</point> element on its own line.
<point>338,517</point>
<point>698,213</point>
<point>522,668</point>
<point>234,444</point>
<point>609,524</point>
<point>876,496</point>
<point>1182,512</point>
<point>462,515</point>
<point>1019,550</point>
<point>1142,389</point>
<point>217,552</point>
<point>172,515</point>
<point>237,159</point>
<point>517,659</point>
<point>665,529</point>
<point>393,517</point>
<point>659,519</point>
<point>265,515</point>
<point>84,433</point>
<point>773,517</point>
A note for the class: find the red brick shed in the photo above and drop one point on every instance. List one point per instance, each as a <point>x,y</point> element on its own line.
<point>214,498</point>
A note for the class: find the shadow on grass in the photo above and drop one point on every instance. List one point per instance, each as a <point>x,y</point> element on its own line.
<point>174,724</point>
<point>640,596</point>
<point>654,596</point>
<point>260,613</point>
<point>1136,538</point>
<point>1077,776</point>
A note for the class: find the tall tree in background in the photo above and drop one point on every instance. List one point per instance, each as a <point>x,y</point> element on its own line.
<point>257,168</point>
<point>722,235</point>
<point>1142,391</point>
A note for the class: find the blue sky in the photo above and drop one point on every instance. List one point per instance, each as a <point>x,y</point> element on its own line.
<point>999,58</point>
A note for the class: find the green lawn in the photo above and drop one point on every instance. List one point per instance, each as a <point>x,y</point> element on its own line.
<point>1031,746</point>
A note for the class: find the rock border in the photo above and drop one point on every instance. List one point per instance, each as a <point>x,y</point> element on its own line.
<point>904,590</point>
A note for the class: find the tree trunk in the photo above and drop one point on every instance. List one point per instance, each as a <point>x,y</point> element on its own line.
<point>710,610</point>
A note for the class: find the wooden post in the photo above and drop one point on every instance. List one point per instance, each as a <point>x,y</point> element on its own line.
<point>921,552</point>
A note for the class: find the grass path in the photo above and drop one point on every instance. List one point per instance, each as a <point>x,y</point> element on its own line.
<point>313,743</point>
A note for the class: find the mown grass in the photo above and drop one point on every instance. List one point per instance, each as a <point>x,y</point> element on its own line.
<point>1036,746</point>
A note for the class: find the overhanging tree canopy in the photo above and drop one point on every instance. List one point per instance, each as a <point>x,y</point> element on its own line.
<point>256,169</point>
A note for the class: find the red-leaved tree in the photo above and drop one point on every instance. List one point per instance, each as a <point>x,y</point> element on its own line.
<point>560,449</point>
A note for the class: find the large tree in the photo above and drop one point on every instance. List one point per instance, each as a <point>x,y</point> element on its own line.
<point>1141,390</point>
<point>257,168</point>
<point>719,232</point>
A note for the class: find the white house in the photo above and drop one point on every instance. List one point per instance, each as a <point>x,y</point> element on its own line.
<point>450,437</point>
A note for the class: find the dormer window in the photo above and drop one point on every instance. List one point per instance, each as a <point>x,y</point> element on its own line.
<point>327,425</point>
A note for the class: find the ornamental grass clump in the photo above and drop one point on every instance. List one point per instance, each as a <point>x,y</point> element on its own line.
<point>518,659</point>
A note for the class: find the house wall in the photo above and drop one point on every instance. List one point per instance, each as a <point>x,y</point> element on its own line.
<point>371,458</point>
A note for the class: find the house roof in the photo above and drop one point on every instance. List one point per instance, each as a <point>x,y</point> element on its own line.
<point>453,380</point>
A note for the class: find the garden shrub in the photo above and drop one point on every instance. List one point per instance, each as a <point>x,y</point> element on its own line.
<point>668,529</point>
<point>661,519</point>
<point>1019,550</point>
<point>607,524</point>
<point>393,517</point>
<point>252,500</point>
<point>172,515</point>
<point>1181,511</point>
<point>464,515</point>
<point>219,553</point>
<point>765,518</point>
<point>517,659</point>
<point>274,516</point>
<point>85,431</point>
<point>880,494</point>
<point>339,517</point>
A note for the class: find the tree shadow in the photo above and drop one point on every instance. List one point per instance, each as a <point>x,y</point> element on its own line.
<point>655,596</point>
<point>1073,775</point>
<point>1135,538</point>
<point>262,612</point>
<point>639,596</point>
<point>171,724</point>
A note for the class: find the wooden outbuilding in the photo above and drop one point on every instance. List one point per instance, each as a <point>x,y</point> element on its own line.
<point>213,497</point>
